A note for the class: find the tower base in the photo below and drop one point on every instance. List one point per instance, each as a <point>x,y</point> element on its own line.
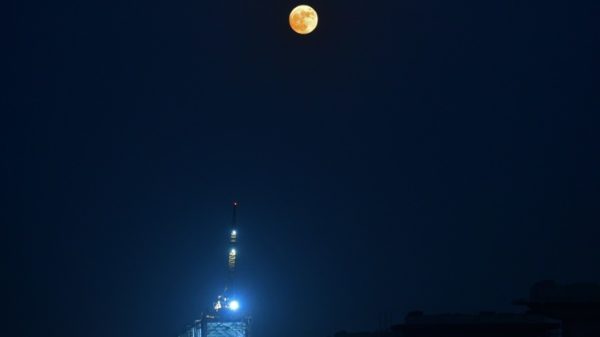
<point>219,326</point>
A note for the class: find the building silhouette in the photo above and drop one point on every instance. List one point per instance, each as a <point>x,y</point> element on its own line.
<point>576,305</point>
<point>553,310</point>
<point>485,324</point>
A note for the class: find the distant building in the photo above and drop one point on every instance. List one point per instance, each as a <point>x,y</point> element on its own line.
<point>490,324</point>
<point>418,324</point>
<point>577,306</point>
<point>571,310</point>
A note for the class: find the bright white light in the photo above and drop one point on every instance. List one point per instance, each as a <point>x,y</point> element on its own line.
<point>234,305</point>
<point>234,232</point>
<point>232,252</point>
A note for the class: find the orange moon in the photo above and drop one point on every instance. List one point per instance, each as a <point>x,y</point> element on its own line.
<point>303,19</point>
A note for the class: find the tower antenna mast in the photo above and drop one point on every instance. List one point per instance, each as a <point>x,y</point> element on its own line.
<point>227,299</point>
<point>232,259</point>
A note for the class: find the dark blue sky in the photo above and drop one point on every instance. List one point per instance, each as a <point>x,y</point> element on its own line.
<point>433,155</point>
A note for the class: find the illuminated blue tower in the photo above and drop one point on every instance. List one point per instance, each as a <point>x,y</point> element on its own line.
<point>228,301</point>
<point>225,319</point>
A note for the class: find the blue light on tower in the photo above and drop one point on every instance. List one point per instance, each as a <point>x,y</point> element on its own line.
<point>234,305</point>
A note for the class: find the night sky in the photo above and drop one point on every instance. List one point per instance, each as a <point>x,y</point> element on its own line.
<point>409,154</point>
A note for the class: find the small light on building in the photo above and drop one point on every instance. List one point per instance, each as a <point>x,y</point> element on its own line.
<point>234,305</point>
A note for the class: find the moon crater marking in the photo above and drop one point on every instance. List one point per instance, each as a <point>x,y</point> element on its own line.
<point>303,19</point>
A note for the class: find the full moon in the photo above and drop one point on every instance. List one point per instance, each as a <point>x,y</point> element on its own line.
<point>303,19</point>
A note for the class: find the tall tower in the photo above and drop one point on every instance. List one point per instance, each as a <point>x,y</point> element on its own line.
<point>228,299</point>
<point>225,319</point>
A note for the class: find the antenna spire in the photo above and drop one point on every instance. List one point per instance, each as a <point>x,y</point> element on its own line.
<point>232,259</point>
<point>234,222</point>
